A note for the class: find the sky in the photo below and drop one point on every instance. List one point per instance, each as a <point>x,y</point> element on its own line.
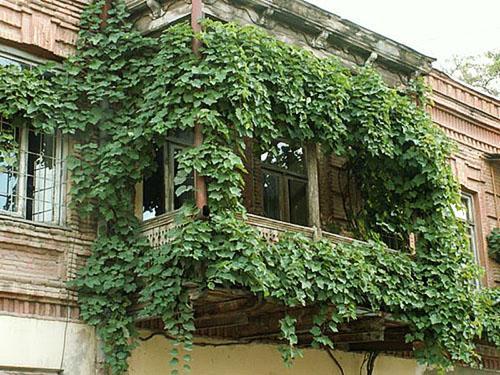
<point>437,28</point>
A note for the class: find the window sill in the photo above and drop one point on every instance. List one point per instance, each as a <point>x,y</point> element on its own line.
<point>20,220</point>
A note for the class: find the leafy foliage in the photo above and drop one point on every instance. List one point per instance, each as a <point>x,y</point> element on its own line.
<point>481,71</point>
<point>494,244</point>
<point>122,93</point>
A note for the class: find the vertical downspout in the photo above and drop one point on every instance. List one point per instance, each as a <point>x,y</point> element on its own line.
<point>104,13</point>
<point>200,184</point>
<point>101,224</point>
<point>495,196</point>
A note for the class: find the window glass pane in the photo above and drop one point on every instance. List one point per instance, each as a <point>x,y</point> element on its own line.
<point>44,187</point>
<point>467,208</point>
<point>297,193</point>
<point>9,165</point>
<point>464,211</point>
<point>461,212</point>
<point>5,61</point>
<point>154,189</point>
<point>271,185</point>
<point>188,195</point>
<point>185,137</point>
<point>285,157</point>
<point>466,214</point>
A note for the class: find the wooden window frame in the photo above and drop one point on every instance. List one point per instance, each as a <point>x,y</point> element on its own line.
<point>310,177</point>
<point>171,145</point>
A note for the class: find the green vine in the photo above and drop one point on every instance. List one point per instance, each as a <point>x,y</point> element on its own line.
<point>494,244</point>
<point>122,93</point>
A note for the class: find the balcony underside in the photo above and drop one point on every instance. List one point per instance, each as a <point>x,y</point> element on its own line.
<point>236,315</point>
<point>232,315</point>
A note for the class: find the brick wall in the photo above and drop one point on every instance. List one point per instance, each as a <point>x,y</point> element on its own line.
<point>472,120</point>
<point>36,260</point>
<point>46,27</point>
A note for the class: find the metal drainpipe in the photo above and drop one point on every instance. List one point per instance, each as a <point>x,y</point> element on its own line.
<point>104,13</point>
<point>200,183</point>
<point>495,195</point>
<point>101,224</point>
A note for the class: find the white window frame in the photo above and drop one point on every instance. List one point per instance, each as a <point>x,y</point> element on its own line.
<point>13,56</point>
<point>59,195</point>
<point>469,219</point>
<point>18,57</point>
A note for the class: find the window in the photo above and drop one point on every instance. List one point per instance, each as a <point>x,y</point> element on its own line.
<point>284,183</point>
<point>14,56</point>
<point>466,214</point>
<point>158,193</point>
<point>32,174</point>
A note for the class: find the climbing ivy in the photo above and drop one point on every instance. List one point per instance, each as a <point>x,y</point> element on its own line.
<point>122,93</point>
<point>494,244</point>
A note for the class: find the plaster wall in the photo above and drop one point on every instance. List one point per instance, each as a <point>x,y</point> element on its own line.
<point>152,357</point>
<point>38,343</point>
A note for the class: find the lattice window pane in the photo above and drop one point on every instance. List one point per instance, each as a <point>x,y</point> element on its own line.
<point>45,178</point>
<point>9,165</point>
<point>32,174</point>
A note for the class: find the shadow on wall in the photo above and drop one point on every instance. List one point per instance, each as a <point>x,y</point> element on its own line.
<point>462,371</point>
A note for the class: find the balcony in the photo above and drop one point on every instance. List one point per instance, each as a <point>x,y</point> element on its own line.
<point>155,229</point>
<point>236,315</point>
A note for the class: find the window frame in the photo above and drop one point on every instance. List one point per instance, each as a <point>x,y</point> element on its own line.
<point>470,222</point>
<point>25,60</point>
<point>169,147</point>
<point>172,145</point>
<point>60,182</point>
<point>284,176</point>
<point>21,58</point>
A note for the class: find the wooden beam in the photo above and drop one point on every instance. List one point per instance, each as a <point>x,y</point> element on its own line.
<point>138,200</point>
<point>201,195</point>
<point>222,321</point>
<point>380,347</point>
<point>314,218</point>
<point>249,190</point>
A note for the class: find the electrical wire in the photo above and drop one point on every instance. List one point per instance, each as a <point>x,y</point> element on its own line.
<point>330,354</point>
<point>365,358</point>
<point>71,264</point>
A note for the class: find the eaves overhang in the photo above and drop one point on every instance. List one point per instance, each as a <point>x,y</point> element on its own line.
<point>492,157</point>
<point>298,22</point>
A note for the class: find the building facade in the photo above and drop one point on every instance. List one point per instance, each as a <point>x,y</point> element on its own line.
<point>43,242</point>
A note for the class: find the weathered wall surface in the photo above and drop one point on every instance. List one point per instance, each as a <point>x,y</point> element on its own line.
<point>300,23</point>
<point>47,345</point>
<point>48,27</point>
<point>472,120</point>
<point>37,311</point>
<point>152,357</point>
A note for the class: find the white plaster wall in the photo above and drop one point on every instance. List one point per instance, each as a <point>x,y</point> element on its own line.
<point>37,343</point>
<point>152,358</point>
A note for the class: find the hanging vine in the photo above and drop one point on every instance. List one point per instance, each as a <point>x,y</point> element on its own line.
<point>122,93</point>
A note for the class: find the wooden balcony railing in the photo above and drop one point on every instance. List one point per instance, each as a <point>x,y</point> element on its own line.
<point>155,230</point>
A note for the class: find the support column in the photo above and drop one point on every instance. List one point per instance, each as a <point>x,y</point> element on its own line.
<point>314,219</point>
<point>200,184</point>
